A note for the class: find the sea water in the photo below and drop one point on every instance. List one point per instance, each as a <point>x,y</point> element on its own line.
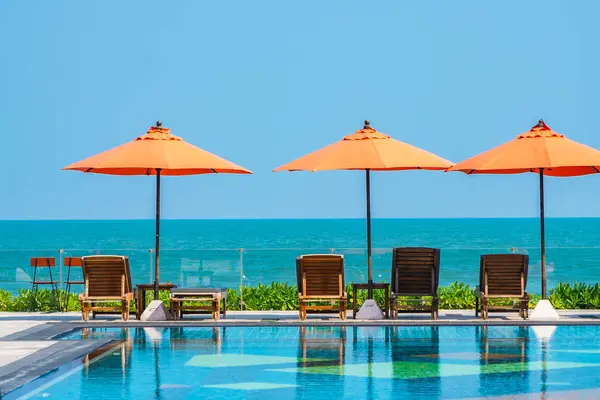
<point>233,252</point>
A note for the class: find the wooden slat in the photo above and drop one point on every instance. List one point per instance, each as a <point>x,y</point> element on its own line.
<point>506,274</point>
<point>322,274</point>
<point>415,270</point>
<point>104,275</point>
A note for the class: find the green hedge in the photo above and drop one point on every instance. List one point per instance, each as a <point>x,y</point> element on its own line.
<point>281,296</point>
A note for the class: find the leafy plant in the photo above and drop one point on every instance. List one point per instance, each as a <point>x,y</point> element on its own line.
<point>457,296</point>
<point>283,296</point>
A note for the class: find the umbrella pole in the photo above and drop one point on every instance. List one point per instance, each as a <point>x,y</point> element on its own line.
<point>369,257</point>
<point>157,244</point>
<point>542,234</point>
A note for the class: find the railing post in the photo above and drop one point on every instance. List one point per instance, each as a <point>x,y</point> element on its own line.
<point>241,278</point>
<point>60,269</point>
<point>150,266</point>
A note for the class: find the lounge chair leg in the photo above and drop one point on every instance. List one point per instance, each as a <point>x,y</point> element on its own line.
<point>434,308</point>
<point>216,309</point>
<point>342,313</point>
<point>476,306</point>
<point>302,310</point>
<point>85,314</point>
<point>484,308</point>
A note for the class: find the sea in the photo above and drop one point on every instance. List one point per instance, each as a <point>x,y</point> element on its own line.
<point>230,253</point>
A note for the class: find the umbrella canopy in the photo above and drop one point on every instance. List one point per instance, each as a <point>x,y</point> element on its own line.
<point>539,149</point>
<point>368,150</point>
<point>542,151</point>
<point>157,150</point>
<point>156,153</point>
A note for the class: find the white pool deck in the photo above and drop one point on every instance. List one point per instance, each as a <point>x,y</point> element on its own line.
<point>12,323</point>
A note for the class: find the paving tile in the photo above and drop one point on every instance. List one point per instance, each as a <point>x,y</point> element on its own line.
<point>15,350</point>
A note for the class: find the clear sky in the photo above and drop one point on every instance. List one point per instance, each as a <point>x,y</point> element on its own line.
<point>263,82</point>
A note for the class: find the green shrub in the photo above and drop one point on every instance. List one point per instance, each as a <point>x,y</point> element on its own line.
<point>283,296</point>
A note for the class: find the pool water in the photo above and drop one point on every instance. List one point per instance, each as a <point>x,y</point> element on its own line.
<point>331,363</point>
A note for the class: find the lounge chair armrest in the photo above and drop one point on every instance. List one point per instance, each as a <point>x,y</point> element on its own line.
<point>479,294</point>
<point>82,297</point>
<point>128,296</point>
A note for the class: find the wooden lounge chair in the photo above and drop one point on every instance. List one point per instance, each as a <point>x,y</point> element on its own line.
<point>502,276</point>
<point>107,280</point>
<point>415,272</point>
<point>321,280</point>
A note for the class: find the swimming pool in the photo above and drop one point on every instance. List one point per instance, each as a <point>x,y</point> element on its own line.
<point>330,363</point>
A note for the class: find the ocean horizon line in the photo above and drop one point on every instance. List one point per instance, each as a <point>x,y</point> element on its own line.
<point>287,219</point>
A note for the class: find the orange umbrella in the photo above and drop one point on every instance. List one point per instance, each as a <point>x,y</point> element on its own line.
<point>157,153</point>
<point>368,150</point>
<point>542,151</point>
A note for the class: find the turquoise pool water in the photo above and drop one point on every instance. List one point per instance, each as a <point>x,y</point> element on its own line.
<point>331,363</point>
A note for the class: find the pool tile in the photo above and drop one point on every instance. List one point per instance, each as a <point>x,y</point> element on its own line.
<point>174,386</point>
<point>416,370</point>
<point>582,351</point>
<point>238,360</point>
<point>250,386</point>
<point>467,356</point>
<point>582,394</point>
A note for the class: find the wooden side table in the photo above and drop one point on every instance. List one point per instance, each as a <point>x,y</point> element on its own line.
<point>140,295</point>
<point>365,286</point>
<point>199,297</point>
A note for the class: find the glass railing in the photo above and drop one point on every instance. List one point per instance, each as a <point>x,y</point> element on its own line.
<point>234,267</point>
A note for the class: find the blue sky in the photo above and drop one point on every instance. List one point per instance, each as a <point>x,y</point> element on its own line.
<point>261,83</point>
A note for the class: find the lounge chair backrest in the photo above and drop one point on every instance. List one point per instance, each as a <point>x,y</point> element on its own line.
<point>505,274</point>
<point>415,271</point>
<point>320,274</point>
<point>105,276</point>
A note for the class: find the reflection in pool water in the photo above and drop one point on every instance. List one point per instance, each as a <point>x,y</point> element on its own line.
<point>332,362</point>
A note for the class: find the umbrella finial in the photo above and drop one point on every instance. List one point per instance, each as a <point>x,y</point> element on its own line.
<point>541,123</point>
<point>158,124</point>
<point>367,124</point>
